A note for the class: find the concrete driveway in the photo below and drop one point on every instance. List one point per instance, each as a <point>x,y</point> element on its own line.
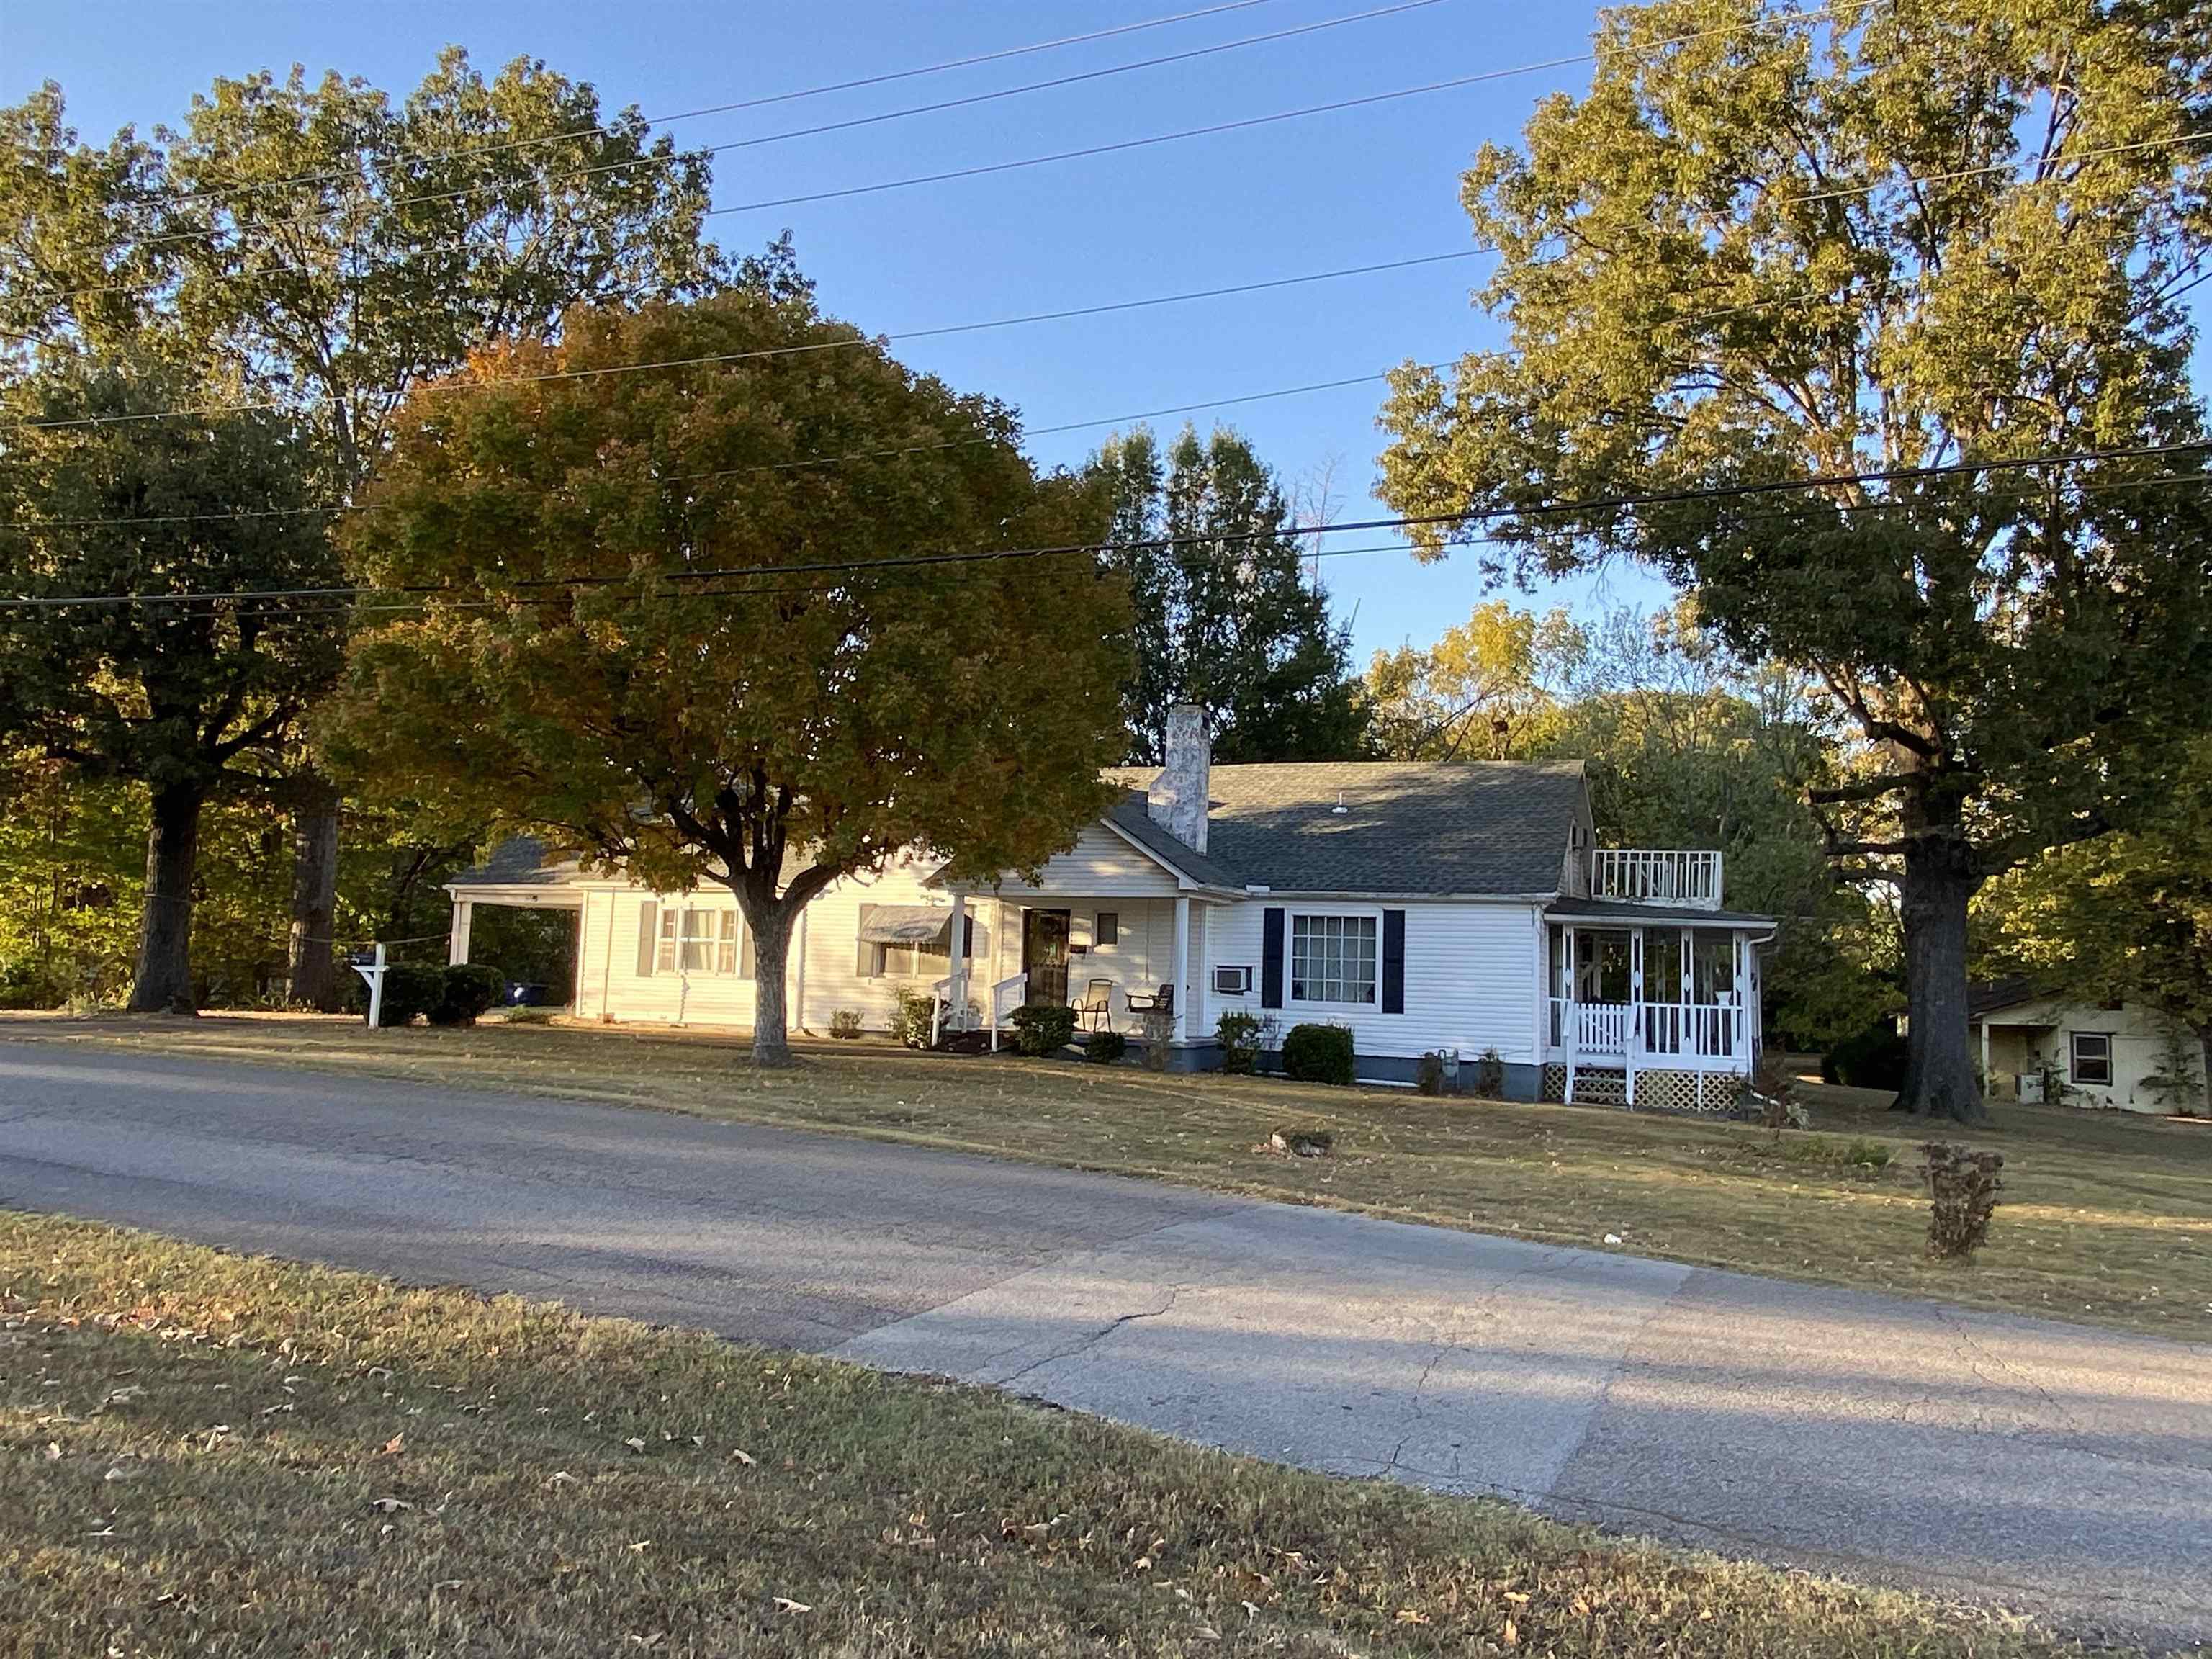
<point>2053,1468</point>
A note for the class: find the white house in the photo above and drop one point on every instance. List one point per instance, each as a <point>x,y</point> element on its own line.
<point>2038,1047</point>
<point>1456,908</point>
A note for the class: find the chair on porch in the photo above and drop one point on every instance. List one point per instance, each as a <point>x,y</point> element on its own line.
<point>1098,1005</point>
<point>1161,1001</point>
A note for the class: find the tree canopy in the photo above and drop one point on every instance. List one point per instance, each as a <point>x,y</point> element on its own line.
<point>738,621</point>
<point>1227,615</point>
<point>1760,281</point>
<point>175,694</point>
<point>317,247</point>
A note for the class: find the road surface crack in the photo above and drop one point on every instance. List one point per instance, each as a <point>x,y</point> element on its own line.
<point>1084,1345</point>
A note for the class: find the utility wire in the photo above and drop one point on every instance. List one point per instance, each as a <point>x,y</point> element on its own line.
<point>856,340</point>
<point>1910,180</point>
<point>760,102</point>
<point>1118,147</point>
<point>1571,508</point>
<point>704,152</point>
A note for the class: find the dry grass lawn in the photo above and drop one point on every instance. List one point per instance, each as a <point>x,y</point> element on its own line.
<point>2106,1217</point>
<point>205,1454</point>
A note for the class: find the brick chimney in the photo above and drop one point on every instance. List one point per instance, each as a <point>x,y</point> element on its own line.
<point>1176,800</point>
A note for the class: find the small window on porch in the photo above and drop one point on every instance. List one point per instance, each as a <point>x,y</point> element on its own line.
<point>1109,928</point>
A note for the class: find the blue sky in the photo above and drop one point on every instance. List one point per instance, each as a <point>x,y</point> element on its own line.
<point>1350,188</point>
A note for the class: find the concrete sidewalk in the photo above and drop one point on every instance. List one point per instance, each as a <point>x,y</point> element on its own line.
<point>2050,1467</point>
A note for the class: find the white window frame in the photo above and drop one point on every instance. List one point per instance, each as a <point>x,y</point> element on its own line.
<point>2074,1059</point>
<point>1372,918</point>
<point>706,931</point>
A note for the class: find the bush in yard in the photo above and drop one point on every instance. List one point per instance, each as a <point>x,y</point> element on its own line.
<point>1873,1058</point>
<point>845,1023</point>
<point>1429,1073</point>
<point>1105,1048</point>
<point>1157,1028</point>
<point>409,991</point>
<point>465,990</point>
<point>917,1013</point>
<point>1043,1029</point>
<point>1490,1076</point>
<point>1242,1037</point>
<point>1964,1186</point>
<point>1318,1054</point>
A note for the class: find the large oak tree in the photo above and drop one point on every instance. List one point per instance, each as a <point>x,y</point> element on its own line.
<point>321,247</point>
<point>170,691</point>
<point>729,622</point>
<point>1891,235</point>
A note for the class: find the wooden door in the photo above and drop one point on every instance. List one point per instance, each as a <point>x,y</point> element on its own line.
<point>1044,956</point>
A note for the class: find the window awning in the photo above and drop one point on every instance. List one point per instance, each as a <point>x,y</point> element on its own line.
<point>905,924</point>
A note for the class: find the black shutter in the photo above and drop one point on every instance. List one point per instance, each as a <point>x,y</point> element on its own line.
<point>1394,961</point>
<point>1271,957</point>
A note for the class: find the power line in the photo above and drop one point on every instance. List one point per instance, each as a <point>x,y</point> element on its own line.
<point>705,151</point>
<point>1574,506</point>
<point>1911,179</point>
<point>761,102</point>
<point>856,340</point>
<point>1117,147</point>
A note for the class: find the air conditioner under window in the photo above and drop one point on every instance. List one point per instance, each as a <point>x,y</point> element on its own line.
<point>1231,982</point>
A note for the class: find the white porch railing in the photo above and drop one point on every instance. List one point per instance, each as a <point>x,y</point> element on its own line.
<point>1006,995</point>
<point>1649,1036</point>
<point>1639,875</point>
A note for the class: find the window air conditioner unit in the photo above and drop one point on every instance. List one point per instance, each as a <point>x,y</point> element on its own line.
<point>1232,982</point>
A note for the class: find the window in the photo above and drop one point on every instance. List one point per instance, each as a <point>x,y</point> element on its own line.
<point>931,960</point>
<point>1109,927</point>
<point>2092,1057</point>
<point>698,940</point>
<point>1333,958</point>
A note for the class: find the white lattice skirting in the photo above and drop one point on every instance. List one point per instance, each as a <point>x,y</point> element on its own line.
<point>1708,1093</point>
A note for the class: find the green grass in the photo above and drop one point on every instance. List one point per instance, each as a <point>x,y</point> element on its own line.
<point>206,1454</point>
<point>2105,1217</point>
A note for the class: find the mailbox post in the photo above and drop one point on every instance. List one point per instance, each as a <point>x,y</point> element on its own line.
<point>370,965</point>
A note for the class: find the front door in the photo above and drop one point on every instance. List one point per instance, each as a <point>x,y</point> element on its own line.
<point>1044,956</point>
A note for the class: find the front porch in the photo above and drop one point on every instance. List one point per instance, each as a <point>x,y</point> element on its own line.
<point>1667,1008</point>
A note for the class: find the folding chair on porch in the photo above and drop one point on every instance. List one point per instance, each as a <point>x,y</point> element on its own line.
<point>1097,1005</point>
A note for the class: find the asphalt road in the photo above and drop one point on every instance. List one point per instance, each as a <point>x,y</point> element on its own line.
<point>2049,1467</point>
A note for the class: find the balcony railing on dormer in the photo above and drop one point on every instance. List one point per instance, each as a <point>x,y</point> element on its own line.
<point>1639,875</point>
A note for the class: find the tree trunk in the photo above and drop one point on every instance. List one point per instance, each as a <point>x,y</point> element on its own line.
<point>2204,1059</point>
<point>1940,879</point>
<point>164,981</point>
<point>771,934</point>
<point>313,953</point>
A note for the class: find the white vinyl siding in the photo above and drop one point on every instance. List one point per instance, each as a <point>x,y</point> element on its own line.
<point>1472,975</point>
<point>1100,865</point>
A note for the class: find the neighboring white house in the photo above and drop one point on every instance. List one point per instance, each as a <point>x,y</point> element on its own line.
<point>1458,908</point>
<point>2038,1047</point>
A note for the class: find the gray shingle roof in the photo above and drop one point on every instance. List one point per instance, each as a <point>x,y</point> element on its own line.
<point>1474,827</point>
<point>518,862</point>
<point>1128,815</point>
<point>1667,915</point>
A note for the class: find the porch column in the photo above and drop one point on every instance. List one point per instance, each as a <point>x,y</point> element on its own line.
<point>956,992</point>
<point>1182,966</point>
<point>1986,1056</point>
<point>457,941</point>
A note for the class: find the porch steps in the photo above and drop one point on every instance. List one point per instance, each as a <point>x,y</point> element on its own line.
<point>1597,1087</point>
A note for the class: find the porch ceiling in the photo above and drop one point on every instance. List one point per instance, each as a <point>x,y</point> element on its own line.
<point>1662,915</point>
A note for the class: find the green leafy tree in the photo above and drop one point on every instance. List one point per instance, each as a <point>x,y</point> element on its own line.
<point>1902,234</point>
<point>1478,691</point>
<point>1227,616</point>
<point>2124,917</point>
<point>579,672</point>
<point>318,246</point>
<point>174,696</point>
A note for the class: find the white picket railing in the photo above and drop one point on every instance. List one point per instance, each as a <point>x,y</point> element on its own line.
<point>1007,995</point>
<point>1637,875</point>
<point>1655,1036</point>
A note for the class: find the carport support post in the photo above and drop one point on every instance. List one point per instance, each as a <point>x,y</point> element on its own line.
<point>457,941</point>
<point>955,1012</point>
<point>1182,966</point>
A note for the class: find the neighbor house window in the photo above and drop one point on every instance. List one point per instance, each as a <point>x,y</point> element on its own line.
<point>1333,958</point>
<point>2093,1057</point>
<point>698,940</point>
<point>1109,927</point>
